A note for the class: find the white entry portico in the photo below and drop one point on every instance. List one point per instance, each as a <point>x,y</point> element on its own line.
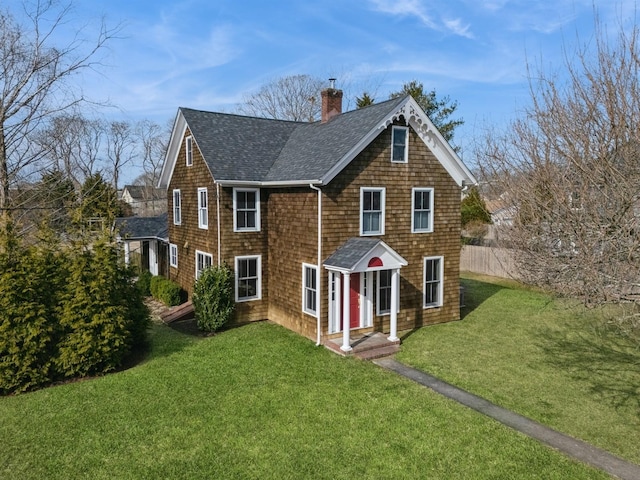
<point>351,269</point>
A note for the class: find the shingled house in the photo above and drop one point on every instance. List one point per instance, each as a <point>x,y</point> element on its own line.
<point>336,228</point>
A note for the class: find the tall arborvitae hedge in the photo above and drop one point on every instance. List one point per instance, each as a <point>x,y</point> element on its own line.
<point>29,329</point>
<point>65,312</point>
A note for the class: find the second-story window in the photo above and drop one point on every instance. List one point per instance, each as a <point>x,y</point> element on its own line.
<point>399,144</point>
<point>188,143</point>
<point>422,210</point>
<point>246,209</point>
<point>203,208</point>
<point>372,211</point>
<point>177,207</point>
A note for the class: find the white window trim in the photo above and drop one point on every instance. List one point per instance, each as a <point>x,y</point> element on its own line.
<point>173,248</point>
<point>204,254</point>
<point>188,146</point>
<point>177,219</point>
<point>378,312</point>
<point>258,295</point>
<point>235,217</point>
<point>202,225</point>
<point>305,309</point>
<point>424,282</point>
<point>413,209</point>
<point>382,191</point>
<point>406,143</point>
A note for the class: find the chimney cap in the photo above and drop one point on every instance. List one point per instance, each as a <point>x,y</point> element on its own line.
<point>332,83</point>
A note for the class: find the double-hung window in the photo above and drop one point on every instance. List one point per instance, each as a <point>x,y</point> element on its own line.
<point>384,290</point>
<point>177,207</point>
<point>372,211</point>
<point>173,255</point>
<point>203,208</point>
<point>246,207</point>
<point>399,144</point>
<point>433,274</point>
<point>248,278</point>
<point>309,289</point>
<point>422,210</point>
<point>203,260</point>
<point>188,145</point>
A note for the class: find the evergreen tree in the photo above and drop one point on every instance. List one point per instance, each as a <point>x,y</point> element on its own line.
<point>364,101</point>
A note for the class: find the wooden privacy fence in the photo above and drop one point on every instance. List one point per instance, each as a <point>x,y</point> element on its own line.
<point>497,262</point>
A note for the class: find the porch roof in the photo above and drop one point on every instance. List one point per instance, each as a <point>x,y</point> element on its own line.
<point>139,228</point>
<point>360,254</point>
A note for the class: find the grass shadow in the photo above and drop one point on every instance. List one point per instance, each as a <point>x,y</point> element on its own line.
<point>608,363</point>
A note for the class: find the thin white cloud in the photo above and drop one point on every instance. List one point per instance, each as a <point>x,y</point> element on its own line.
<point>417,9</point>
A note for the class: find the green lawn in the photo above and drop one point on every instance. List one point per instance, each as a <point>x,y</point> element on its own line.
<point>544,358</point>
<point>259,402</point>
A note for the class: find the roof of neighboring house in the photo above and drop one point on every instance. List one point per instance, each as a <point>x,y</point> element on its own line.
<point>260,151</point>
<point>138,228</point>
<point>136,191</point>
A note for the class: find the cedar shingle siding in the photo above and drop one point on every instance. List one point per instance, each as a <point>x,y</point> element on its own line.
<point>288,211</point>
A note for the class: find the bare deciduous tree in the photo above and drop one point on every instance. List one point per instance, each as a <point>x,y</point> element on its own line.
<point>570,166</point>
<point>296,98</point>
<point>121,144</point>
<point>35,79</point>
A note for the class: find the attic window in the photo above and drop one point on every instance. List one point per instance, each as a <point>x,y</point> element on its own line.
<point>399,144</point>
<point>189,148</point>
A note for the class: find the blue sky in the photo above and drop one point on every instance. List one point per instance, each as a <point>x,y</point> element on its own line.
<point>207,54</point>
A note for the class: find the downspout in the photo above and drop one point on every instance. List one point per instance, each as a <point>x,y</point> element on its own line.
<point>318,276</point>
<point>218,220</point>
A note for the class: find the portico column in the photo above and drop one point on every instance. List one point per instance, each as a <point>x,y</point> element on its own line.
<point>126,253</point>
<point>395,285</point>
<point>346,311</point>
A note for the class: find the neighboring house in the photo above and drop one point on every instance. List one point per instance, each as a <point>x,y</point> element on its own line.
<point>145,201</point>
<point>334,228</point>
<point>146,242</point>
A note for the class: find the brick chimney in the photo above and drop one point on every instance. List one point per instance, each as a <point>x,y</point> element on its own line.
<point>331,101</point>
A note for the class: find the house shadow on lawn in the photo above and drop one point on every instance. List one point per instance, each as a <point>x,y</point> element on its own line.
<point>475,293</point>
<point>607,362</point>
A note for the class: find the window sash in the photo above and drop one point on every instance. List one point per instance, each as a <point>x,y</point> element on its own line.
<point>399,141</point>
<point>384,292</point>
<point>203,209</point>
<point>203,260</point>
<point>189,150</point>
<point>177,208</point>
<point>309,289</point>
<point>433,281</point>
<point>173,255</point>
<point>422,206</point>
<point>372,211</point>
<point>247,214</point>
<point>248,278</point>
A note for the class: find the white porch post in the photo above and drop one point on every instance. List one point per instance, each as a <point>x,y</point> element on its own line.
<point>346,311</point>
<point>126,253</point>
<point>395,285</point>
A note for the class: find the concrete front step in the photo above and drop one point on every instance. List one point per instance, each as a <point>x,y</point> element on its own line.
<point>379,352</point>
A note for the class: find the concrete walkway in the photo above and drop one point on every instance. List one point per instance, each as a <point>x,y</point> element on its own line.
<point>570,446</point>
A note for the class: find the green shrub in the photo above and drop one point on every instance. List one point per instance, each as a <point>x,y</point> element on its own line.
<point>102,316</point>
<point>168,292</point>
<point>213,298</point>
<point>144,283</point>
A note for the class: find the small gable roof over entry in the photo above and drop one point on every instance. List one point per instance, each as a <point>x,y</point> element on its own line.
<point>243,150</point>
<point>364,254</point>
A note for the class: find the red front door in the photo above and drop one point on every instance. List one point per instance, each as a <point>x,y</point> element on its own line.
<point>354,301</point>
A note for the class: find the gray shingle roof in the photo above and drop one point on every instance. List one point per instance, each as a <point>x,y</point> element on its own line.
<point>238,148</point>
<point>135,228</point>
<point>351,252</point>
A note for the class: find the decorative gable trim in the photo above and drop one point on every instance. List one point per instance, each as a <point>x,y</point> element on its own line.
<point>413,115</point>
